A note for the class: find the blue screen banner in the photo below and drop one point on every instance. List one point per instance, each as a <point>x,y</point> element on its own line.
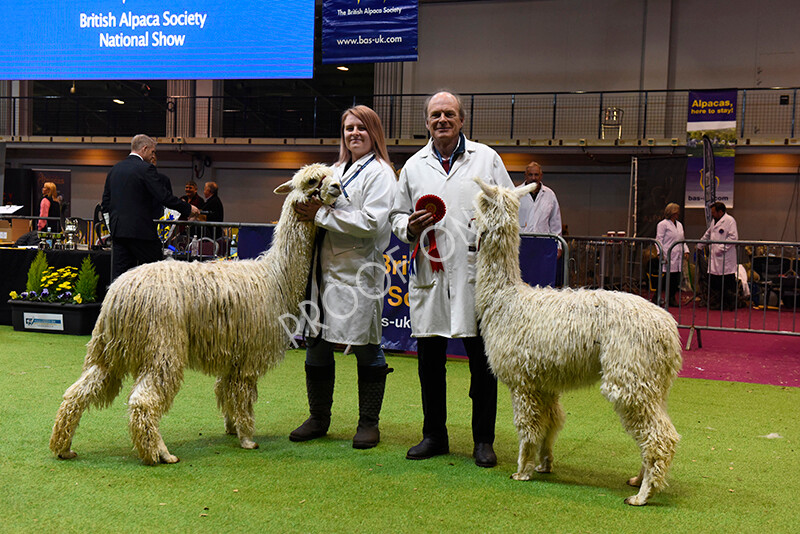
<point>156,39</point>
<point>367,31</point>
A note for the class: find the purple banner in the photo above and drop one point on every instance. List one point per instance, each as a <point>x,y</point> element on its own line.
<point>711,110</point>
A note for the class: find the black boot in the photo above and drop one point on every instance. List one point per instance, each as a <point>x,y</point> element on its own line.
<point>319,386</point>
<point>371,386</point>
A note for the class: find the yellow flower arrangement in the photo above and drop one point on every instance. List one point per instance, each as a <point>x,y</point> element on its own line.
<point>65,285</point>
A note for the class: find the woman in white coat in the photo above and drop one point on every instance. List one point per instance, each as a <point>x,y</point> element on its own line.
<point>347,280</point>
<point>668,232</point>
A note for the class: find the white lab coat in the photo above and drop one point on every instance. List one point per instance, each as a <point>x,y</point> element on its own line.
<point>667,234</point>
<point>443,303</point>
<point>542,216</point>
<point>722,258</point>
<point>351,255</point>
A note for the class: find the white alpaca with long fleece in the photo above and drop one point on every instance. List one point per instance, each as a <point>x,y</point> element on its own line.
<point>543,341</point>
<point>221,318</point>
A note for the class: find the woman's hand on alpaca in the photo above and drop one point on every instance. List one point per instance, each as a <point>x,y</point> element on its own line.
<point>307,211</point>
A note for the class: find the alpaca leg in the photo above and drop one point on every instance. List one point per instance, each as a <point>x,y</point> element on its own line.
<point>525,460</point>
<point>531,428</point>
<point>637,480</point>
<point>150,398</point>
<point>96,386</point>
<point>221,388</point>
<point>657,438</point>
<point>553,414</point>
<point>241,393</point>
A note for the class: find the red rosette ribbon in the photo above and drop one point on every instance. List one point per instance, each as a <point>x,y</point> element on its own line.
<point>435,206</point>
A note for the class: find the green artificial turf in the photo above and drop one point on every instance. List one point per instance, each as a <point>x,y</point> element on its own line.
<point>727,476</point>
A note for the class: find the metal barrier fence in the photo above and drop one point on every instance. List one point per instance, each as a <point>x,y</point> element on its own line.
<point>761,295</point>
<point>199,240</point>
<point>542,116</point>
<point>627,264</point>
<point>213,240</point>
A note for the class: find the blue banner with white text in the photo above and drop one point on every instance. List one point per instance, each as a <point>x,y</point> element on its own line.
<point>156,39</point>
<point>369,31</point>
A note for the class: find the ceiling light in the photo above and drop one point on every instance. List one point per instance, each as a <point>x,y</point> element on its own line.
<point>342,68</point>
<point>118,101</point>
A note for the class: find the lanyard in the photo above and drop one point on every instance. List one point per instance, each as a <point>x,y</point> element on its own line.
<point>355,174</point>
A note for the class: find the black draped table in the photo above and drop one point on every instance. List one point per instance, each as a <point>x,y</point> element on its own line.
<point>15,262</point>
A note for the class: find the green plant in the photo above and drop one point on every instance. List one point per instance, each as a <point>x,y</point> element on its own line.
<point>67,284</point>
<point>86,285</point>
<point>35,272</point>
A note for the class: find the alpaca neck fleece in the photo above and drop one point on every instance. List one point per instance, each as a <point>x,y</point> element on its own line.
<point>290,254</point>
<point>498,267</point>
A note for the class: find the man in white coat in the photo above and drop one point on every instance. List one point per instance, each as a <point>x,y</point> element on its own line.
<point>539,213</point>
<point>722,260</point>
<point>442,284</point>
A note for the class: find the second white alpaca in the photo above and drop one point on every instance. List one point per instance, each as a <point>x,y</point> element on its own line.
<point>542,341</point>
<point>221,318</point>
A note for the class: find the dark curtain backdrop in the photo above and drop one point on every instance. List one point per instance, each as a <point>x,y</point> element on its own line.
<point>661,180</point>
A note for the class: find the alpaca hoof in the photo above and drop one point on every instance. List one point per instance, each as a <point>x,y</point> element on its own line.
<point>635,482</point>
<point>544,468</point>
<point>521,476</point>
<point>248,444</point>
<point>636,500</point>
<point>69,455</point>
<point>168,459</point>
<point>230,427</point>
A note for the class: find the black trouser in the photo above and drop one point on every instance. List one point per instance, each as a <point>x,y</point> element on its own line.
<point>723,286</point>
<point>431,359</point>
<point>127,253</point>
<point>674,286</point>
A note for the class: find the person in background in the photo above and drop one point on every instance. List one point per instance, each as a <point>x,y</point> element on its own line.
<point>49,207</point>
<point>722,260</point>
<point>668,232</point>
<point>539,212</point>
<point>194,199</point>
<point>165,181</point>
<point>132,195</point>
<point>442,284</point>
<point>191,195</point>
<point>213,205</point>
<point>350,267</point>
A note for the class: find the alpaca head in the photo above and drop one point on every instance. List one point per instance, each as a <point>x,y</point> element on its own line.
<point>497,207</point>
<point>312,180</point>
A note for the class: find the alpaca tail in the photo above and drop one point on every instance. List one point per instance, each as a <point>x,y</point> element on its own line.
<point>97,386</point>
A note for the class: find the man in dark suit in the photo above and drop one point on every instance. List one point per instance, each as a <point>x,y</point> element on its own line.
<point>133,194</point>
<point>213,206</point>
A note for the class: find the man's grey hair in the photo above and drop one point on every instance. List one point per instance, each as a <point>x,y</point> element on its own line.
<point>455,95</point>
<point>140,141</point>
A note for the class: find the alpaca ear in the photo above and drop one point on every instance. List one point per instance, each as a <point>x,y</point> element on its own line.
<point>530,188</point>
<point>488,190</point>
<point>284,188</point>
